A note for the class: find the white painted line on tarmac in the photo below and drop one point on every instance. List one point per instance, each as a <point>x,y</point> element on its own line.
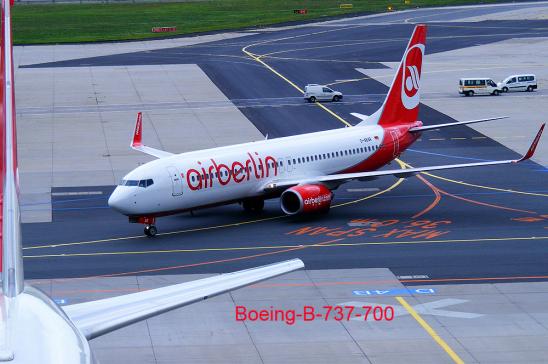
<point>370,189</point>
<point>80,193</point>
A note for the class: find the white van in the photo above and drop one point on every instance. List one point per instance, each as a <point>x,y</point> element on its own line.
<point>478,86</point>
<point>518,83</point>
<point>314,92</point>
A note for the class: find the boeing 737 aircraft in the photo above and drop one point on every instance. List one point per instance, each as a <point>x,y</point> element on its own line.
<point>302,169</point>
<point>33,328</point>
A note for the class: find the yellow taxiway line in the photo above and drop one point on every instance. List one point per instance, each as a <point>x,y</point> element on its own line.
<point>430,331</point>
<point>291,246</point>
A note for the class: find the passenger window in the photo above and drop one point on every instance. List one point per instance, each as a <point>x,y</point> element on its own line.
<point>482,82</point>
<point>325,89</point>
<point>293,161</point>
<point>521,79</point>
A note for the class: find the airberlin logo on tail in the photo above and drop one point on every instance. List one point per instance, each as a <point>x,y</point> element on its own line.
<point>410,95</point>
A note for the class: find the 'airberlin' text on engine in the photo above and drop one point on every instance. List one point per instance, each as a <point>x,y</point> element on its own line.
<point>320,200</point>
<point>238,172</point>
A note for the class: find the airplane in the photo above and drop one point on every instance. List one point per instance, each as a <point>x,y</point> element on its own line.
<point>302,170</point>
<point>33,327</point>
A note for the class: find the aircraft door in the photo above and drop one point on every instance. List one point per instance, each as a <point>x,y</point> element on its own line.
<point>176,181</point>
<point>288,164</point>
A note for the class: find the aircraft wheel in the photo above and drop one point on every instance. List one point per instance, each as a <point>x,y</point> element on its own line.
<point>150,230</point>
<point>253,205</point>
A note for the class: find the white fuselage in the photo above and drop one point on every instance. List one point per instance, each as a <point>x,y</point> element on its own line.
<point>220,175</point>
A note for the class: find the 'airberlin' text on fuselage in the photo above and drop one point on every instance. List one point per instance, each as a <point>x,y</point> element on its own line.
<point>222,174</point>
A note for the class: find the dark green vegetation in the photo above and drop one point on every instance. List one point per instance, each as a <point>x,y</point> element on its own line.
<point>59,23</point>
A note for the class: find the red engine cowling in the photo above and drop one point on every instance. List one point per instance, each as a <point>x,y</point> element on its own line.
<point>306,199</point>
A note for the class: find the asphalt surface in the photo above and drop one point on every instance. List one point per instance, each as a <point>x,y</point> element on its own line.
<point>475,224</point>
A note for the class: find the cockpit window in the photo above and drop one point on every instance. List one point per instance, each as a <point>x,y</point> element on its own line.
<point>132,182</point>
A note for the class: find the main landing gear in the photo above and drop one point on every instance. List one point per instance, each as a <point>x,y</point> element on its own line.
<point>253,205</point>
<point>150,228</point>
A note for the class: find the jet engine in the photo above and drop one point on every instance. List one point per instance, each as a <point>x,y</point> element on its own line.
<point>305,199</point>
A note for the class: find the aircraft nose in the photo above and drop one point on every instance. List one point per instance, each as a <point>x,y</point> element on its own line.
<point>117,200</point>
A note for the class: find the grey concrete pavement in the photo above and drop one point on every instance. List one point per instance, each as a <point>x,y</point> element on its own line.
<point>481,323</point>
<point>86,148</point>
<point>31,54</point>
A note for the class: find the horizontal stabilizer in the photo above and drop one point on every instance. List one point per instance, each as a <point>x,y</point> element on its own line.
<point>97,318</point>
<point>439,126</point>
<point>137,142</point>
<point>362,117</point>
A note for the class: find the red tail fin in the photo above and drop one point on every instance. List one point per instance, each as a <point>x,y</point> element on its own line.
<point>401,105</point>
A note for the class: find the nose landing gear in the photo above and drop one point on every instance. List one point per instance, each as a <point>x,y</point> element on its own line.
<point>150,230</point>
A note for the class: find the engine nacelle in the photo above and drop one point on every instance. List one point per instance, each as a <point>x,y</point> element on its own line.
<point>305,199</point>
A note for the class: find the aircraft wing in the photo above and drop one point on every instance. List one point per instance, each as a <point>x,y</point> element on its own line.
<point>400,173</point>
<point>96,318</point>
<point>439,126</point>
<point>137,142</point>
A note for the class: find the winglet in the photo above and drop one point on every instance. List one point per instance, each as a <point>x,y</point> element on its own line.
<point>533,146</point>
<point>138,133</point>
<point>137,142</point>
